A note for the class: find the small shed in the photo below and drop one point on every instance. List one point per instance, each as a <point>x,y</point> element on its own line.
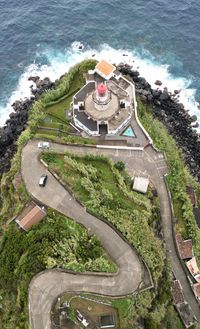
<point>31,217</point>
<point>193,267</point>
<point>184,247</point>
<point>105,69</point>
<point>140,184</point>
<point>107,321</point>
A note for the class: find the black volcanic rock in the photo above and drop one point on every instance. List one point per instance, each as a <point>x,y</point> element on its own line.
<point>164,95</point>
<point>166,107</point>
<point>17,122</point>
<point>158,83</point>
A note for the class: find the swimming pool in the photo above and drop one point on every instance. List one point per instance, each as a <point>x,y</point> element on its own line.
<point>129,132</point>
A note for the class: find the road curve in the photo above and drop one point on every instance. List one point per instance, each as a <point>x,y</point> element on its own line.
<point>48,285</point>
<point>153,164</point>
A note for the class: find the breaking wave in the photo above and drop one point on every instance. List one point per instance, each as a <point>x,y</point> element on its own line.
<point>55,63</point>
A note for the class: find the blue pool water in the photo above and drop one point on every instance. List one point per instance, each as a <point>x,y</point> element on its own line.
<point>129,132</point>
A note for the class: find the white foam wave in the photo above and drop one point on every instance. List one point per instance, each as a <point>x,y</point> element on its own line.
<point>60,63</point>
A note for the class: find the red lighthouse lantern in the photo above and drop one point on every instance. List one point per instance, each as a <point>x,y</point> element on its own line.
<point>102,89</point>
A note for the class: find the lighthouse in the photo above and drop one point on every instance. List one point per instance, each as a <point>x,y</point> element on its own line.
<point>101,93</point>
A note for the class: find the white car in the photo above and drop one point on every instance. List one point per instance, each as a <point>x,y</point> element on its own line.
<point>43,145</point>
<point>43,180</point>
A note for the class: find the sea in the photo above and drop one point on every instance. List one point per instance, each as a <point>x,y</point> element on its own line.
<point>159,38</point>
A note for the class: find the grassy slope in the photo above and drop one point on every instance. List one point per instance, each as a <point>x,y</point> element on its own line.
<point>13,200</point>
<point>178,178</point>
<point>54,242</point>
<point>55,112</point>
<point>97,183</point>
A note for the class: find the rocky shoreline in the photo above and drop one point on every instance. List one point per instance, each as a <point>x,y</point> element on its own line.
<point>17,121</point>
<point>166,107</point>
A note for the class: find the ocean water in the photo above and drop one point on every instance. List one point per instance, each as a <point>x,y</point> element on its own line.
<point>159,38</point>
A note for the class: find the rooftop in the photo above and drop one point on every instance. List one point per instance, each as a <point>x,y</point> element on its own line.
<point>107,321</point>
<point>196,288</point>
<point>192,266</point>
<point>186,314</point>
<point>105,68</point>
<point>99,111</point>
<point>177,292</point>
<point>184,247</point>
<point>141,184</point>
<point>83,92</point>
<point>84,119</point>
<point>33,216</point>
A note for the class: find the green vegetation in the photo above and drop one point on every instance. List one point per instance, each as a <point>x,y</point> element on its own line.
<point>92,306</point>
<point>65,139</point>
<point>54,101</point>
<point>13,199</point>
<point>100,186</point>
<point>102,189</point>
<point>54,242</point>
<point>120,165</point>
<point>57,102</point>
<point>105,190</point>
<point>178,178</point>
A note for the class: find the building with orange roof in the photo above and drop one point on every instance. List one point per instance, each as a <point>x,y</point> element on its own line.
<point>193,267</point>
<point>196,289</point>
<point>31,217</point>
<point>185,248</point>
<point>105,69</point>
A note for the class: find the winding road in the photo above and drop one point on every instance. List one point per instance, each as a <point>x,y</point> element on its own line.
<point>46,286</point>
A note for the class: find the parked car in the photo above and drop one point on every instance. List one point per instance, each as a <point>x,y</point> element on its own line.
<point>43,145</point>
<point>43,180</point>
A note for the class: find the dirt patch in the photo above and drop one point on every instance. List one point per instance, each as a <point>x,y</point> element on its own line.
<point>93,310</point>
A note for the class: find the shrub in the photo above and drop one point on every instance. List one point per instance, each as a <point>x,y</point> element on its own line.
<point>119,165</point>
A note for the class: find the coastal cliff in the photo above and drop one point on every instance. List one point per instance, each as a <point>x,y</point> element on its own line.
<point>166,107</point>
<point>17,122</point>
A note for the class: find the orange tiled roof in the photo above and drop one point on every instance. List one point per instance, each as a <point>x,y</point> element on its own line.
<point>33,217</point>
<point>192,266</point>
<point>184,247</point>
<point>105,68</point>
<point>196,288</point>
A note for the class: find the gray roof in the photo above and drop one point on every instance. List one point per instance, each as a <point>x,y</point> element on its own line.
<point>116,72</point>
<point>83,118</point>
<point>186,314</point>
<point>107,321</point>
<point>82,93</point>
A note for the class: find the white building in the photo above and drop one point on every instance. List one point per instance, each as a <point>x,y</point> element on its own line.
<point>105,104</point>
